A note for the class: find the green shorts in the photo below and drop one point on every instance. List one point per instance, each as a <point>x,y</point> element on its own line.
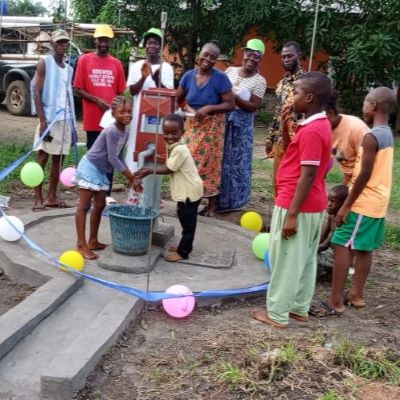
<point>360,233</point>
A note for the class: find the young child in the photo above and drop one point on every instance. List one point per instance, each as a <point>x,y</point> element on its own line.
<point>186,184</point>
<point>361,219</point>
<point>336,197</point>
<point>299,205</point>
<point>105,155</point>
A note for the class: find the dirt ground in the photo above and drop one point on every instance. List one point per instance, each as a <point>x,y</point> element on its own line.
<point>221,353</point>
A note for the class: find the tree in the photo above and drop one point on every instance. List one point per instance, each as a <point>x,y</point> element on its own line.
<point>191,23</point>
<point>25,8</point>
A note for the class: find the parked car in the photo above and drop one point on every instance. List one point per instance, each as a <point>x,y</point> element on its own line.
<point>15,78</point>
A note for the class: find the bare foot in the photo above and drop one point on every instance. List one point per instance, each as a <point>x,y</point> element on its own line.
<point>87,253</point>
<point>173,257</point>
<point>173,248</point>
<point>297,317</point>
<point>96,245</point>
<point>261,315</point>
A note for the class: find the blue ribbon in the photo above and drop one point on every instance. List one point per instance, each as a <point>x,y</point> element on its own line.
<point>146,296</point>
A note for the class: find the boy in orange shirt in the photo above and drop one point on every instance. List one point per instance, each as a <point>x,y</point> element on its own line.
<point>361,219</point>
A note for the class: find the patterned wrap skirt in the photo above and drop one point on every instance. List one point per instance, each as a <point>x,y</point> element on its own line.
<point>237,162</point>
<point>205,139</point>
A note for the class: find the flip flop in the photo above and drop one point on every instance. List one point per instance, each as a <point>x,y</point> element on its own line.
<point>39,208</point>
<point>322,309</point>
<point>59,204</point>
<point>351,303</point>
<point>262,316</point>
<point>173,257</point>
<point>297,317</point>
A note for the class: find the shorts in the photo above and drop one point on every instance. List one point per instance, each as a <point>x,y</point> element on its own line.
<point>89,176</point>
<point>360,233</point>
<point>60,131</point>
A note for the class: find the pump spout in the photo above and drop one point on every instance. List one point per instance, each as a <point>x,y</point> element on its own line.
<point>146,153</point>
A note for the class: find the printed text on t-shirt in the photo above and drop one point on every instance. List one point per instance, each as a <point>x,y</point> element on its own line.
<point>102,77</point>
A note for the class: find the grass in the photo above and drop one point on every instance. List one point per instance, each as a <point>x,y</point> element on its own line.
<point>366,363</point>
<point>329,395</point>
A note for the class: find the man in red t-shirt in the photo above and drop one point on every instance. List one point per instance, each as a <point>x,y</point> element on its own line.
<point>99,78</point>
<point>299,205</point>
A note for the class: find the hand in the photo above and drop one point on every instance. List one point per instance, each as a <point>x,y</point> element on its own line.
<point>137,186</point>
<point>289,226</point>
<point>43,126</point>
<point>268,148</point>
<point>341,216</point>
<point>156,77</point>
<point>146,70</point>
<point>142,173</point>
<point>102,104</point>
<point>202,112</point>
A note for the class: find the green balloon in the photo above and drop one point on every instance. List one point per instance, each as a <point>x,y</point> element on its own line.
<point>32,174</point>
<point>260,245</point>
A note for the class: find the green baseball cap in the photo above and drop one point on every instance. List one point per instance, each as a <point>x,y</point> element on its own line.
<point>256,45</point>
<point>153,31</point>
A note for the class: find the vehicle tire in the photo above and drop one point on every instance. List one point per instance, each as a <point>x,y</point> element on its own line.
<point>18,98</point>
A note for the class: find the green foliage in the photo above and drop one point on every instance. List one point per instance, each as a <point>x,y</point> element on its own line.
<point>392,236</point>
<point>264,118</point>
<point>25,8</point>
<point>329,395</point>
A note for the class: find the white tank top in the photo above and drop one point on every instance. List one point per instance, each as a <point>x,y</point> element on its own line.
<point>62,98</point>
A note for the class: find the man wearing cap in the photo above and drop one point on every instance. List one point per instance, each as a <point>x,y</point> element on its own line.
<point>53,103</point>
<point>284,124</point>
<point>99,78</point>
<point>146,74</point>
<point>249,88</point>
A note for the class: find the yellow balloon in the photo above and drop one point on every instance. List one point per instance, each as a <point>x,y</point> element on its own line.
<point>73,259</point>
<point>252,221</point>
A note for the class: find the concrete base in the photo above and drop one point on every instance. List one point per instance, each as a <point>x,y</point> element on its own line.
<point>53,360</point>
<point>162,233</point>
<point>113,261</point>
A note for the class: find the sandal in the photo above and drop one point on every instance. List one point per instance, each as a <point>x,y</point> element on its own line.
<point>297,317</point>
<point>322,309</point>
<point>59,204</point>
<point>357,304</point>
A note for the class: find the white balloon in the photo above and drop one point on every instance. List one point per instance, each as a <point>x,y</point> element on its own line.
<point>7,231</point>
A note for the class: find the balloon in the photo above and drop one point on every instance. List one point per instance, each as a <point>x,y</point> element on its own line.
<point>267,261</point>
<point>32,174</point>
<point>7,230</point>
<point>252,221</point>
<point>260,245</point>
<point>181,306</point>
<point>73,259</point>
<point>66,176</point>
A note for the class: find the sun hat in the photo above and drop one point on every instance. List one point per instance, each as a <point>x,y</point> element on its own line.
<point>103,31</point>
<point>153,31</point>
<point>58,35</point>
<point>255,45</point>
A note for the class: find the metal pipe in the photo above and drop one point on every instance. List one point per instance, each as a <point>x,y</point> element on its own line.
<point>151,148</point>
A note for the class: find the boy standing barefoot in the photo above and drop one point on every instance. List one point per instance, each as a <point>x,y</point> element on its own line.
<point>361,218</point>
<point>299,205</point>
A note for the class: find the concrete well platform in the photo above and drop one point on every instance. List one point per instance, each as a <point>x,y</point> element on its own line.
<point>62,330</point>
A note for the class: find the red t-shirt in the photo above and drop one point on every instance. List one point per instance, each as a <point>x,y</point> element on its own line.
<point>102,77</point>
<point>311,145</point>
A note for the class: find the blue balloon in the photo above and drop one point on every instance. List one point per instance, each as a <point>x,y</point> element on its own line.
<point>267,261</point>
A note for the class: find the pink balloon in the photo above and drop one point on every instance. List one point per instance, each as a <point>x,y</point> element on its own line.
<point>66,176</point>
<point>181,306</point>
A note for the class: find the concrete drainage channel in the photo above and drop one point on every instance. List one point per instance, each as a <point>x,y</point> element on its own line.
<point>51,341</point>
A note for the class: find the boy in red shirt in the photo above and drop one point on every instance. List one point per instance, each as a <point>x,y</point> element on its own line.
<point>299,206</point>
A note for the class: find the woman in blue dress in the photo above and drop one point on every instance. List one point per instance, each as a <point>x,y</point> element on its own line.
<point>249,89</point>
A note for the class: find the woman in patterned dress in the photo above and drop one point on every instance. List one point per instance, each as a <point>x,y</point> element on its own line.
<point>208,95</point>
<point>249,89</point>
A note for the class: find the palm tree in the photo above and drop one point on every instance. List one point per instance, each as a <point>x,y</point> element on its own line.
<point>25,8</point>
